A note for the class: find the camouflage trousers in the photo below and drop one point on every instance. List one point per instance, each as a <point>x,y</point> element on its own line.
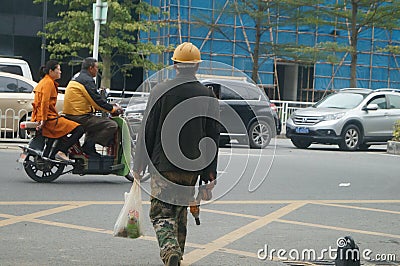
<point>168,210</point>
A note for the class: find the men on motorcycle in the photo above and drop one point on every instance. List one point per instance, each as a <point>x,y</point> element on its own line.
<point>81,101</point>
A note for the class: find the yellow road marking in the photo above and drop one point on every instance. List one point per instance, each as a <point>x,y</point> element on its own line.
<point>296,201</point>
<point>359,208</point>
<point>8,216</point>
<point>72,226</point>
<point>336,228</point>
<point>217,245</point>
<point>223,202</point>
<point>230,213</point>
<point>31,216</point>
<point>221,242</point>
<point>65,202</point>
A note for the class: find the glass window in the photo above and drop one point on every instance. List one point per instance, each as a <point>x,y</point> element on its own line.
<point>228,94</point>
<point>380,101</point>
<point>394,101</point>
<point>235,91</point>
<point>216,88</point>
<point>8,84</point>
<point>24,87</point>
<point>253,94</point>
<point>341,101</point>
<point>11,85</point>
<point>11,69</point>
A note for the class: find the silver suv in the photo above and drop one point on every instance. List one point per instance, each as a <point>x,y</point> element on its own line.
<point>350,118</point>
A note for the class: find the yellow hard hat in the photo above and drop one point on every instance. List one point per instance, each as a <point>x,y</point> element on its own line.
<point>186,53</point>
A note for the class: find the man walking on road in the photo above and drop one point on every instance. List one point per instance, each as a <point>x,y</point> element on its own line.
<point>178,142</point>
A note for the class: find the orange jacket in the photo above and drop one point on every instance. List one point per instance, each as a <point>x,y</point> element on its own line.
<point>44,109</point>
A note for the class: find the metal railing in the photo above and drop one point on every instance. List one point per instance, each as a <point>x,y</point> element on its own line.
<point>286,108</point>
<point>9,124</point>
<point>9,119</point>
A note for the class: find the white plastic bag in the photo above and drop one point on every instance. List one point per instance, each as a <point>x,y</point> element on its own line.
<point>129,222</point>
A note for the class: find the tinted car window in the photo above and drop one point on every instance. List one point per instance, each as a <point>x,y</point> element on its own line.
<point>11,85</point>
<point>253,94</point>
<point>235,92</point>
<point>394,101</point>
<point>230,94</point>
<point>216,88</point>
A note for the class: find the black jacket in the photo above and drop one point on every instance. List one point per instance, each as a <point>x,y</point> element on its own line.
<point>181,116</point>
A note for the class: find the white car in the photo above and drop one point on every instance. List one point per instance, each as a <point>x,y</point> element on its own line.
<point>351,118</point>
<point>15,66</point>
<point>16,98</point>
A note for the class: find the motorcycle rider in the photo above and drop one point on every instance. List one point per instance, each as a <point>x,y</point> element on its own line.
<point>44,111</point>
<point>80,103</point>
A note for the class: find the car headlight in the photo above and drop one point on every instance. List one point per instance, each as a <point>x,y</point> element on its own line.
<point>333,116</point>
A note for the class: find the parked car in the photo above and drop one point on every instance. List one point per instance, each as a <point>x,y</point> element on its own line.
<point>350,118</point>
<point>15,66</point>
<point>253,123</point>
<point>16,98</point>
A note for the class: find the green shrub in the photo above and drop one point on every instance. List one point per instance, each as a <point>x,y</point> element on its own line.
<point>396,131</point>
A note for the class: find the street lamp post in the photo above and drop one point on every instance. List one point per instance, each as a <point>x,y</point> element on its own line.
<point>97,29</point>
<point>44,21</point>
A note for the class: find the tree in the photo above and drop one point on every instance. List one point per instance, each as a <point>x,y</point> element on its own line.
<point>266,17</point>
<point>354,16</point>
<point>259,12</point>
<point>72,35</point>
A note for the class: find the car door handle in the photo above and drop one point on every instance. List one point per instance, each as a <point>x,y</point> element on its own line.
<point>22,101</point>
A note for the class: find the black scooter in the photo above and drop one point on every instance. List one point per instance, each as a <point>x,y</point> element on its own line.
<point>38,166</point>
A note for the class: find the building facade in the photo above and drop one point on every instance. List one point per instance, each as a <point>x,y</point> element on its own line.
<point>21,20</point>
<point>281,77</point>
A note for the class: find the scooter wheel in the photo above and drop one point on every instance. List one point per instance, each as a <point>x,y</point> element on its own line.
<point>42,171</point>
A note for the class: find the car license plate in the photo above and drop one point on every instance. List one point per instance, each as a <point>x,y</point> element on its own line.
<point>22,157</point>
<point>302,130</point>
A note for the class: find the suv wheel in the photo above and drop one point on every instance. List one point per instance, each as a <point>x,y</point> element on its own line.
<point>351,138</point>
<point>260,134</point>
<point>301,143</point>
<point>364,147</point>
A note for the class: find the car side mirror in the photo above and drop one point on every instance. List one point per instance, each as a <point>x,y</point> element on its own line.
<point>371,107</point>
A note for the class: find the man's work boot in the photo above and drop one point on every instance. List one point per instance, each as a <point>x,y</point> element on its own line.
<point>89,147</point>
<point>173,260</point>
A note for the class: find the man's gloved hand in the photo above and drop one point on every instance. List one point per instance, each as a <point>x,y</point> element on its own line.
<point>117,109</point>
<point>209,182</point>
<point>207,177</point>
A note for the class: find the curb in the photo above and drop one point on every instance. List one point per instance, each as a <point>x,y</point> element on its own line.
<point>11,145</point>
